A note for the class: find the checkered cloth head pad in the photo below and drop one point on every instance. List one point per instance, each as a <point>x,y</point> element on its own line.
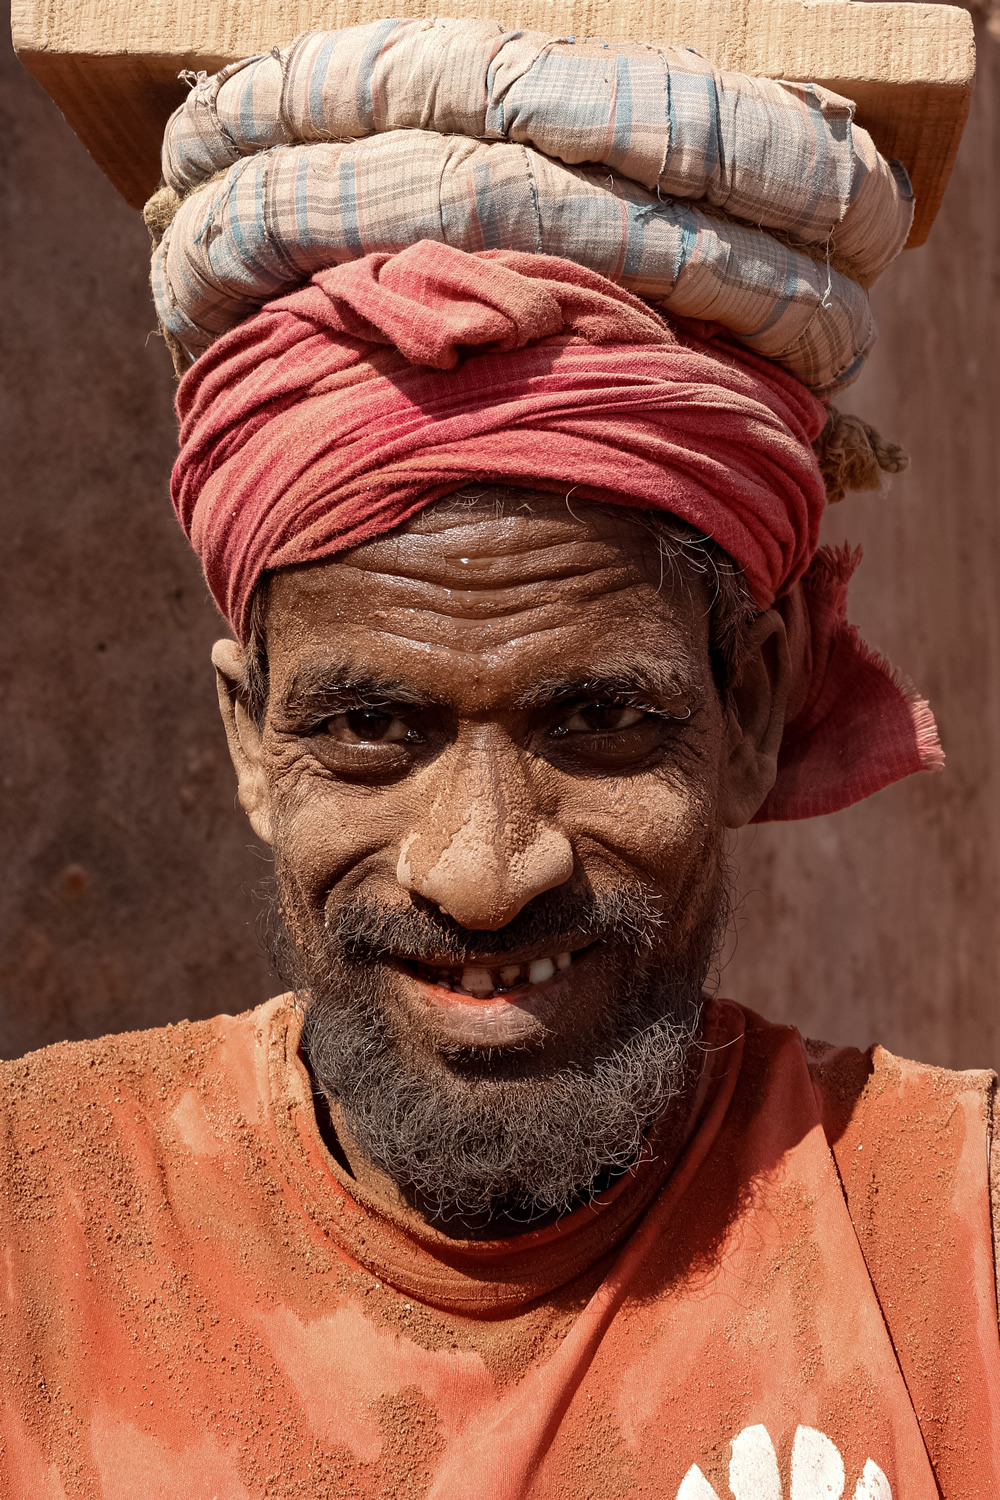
<point>781,156</point>
<point>374,137</point>
<point>283,215</point>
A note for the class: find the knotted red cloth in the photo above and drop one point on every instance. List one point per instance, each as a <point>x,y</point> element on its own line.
<point>344,408</point>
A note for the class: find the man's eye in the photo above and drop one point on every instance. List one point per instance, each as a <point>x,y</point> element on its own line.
<point>602,718</point>
<point>366,726</point>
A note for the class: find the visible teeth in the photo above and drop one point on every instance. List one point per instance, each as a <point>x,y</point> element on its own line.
<point>477,981</point>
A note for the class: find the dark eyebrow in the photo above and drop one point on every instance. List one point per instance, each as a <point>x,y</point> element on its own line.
<point>643,678</point>
<point>328,683</point>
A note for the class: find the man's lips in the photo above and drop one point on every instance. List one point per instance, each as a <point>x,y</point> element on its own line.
<point>509,1001</point>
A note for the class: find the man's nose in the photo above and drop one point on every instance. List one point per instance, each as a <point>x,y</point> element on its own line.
<point>483,849</point>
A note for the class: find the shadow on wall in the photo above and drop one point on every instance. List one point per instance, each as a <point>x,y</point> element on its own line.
<point>128,865</point>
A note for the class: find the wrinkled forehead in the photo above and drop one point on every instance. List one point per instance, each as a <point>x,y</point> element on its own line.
<point>480,599</point>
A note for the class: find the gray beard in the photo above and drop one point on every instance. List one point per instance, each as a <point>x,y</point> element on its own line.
<point>474,1136</point>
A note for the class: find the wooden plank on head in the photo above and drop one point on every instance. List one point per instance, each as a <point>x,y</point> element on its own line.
<point>112,65</point>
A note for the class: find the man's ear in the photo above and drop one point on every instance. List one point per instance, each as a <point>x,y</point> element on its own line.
<point>758,697</point>
<point>243,736</point>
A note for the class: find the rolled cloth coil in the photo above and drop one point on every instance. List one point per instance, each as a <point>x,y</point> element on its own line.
<point>343,409</point>
<point>278,217</point>
<point>775,155</point>
<point>730,154</point>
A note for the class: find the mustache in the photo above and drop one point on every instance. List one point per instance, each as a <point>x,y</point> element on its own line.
<point>553,921</point>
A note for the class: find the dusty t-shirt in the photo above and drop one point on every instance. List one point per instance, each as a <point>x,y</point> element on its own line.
<point>196,1301</point>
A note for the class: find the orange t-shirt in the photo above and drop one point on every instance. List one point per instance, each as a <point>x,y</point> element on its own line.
<point>197,1303</point>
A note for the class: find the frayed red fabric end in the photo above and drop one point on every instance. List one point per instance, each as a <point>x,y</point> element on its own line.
<point>855,725</point>
<point>927,738</point>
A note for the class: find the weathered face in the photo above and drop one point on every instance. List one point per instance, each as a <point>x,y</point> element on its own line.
<point>496,769</point>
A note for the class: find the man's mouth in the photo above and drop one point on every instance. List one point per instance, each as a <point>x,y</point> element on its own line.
<point>488,982</point>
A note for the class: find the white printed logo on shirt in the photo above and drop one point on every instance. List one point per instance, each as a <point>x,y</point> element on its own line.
<point>817,1471</point>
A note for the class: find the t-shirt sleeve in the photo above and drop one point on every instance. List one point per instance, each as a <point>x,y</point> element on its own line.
<point>995,1181</point>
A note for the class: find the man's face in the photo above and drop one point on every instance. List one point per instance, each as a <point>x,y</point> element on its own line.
<point>495,767</point>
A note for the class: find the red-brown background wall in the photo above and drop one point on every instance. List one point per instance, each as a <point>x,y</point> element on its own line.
<point>127,868</point>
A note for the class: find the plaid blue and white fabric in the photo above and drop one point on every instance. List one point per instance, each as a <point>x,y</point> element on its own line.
<point>755,204</point>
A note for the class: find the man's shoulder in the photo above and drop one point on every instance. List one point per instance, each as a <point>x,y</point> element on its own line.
<point>148,1069</point>
<point>875,1088</point>
<point>917,1155</point>
<point>870,1084</point>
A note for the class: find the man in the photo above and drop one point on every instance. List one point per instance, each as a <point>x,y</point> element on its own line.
<point>528,612</point>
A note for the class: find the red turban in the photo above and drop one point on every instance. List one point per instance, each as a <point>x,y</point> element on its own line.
<point>385,383</point>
